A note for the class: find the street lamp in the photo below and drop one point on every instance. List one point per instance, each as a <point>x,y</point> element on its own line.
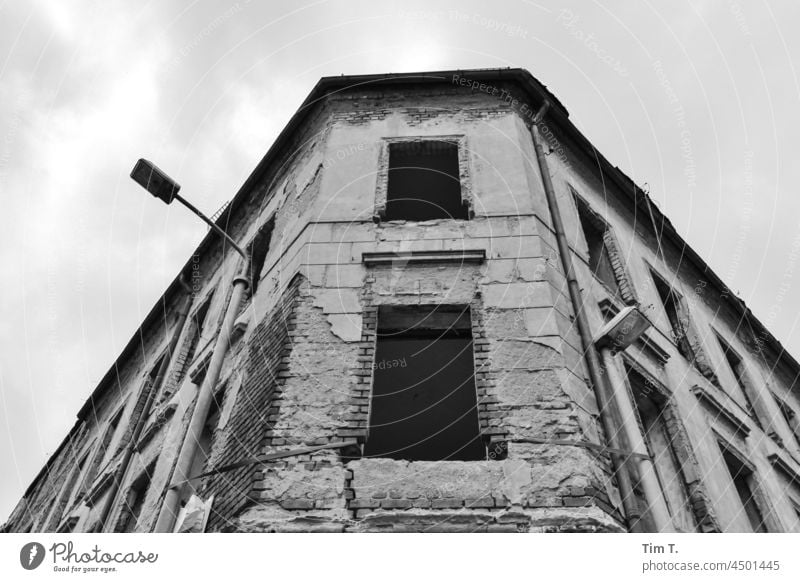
<point>155,181</point>
<point>623,330</point>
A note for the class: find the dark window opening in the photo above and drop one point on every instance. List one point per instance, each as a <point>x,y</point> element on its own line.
<point>670,299</point>
<point>198,319</point>
<point>651,408</point>
<point>599,261</point>
<point>743,481</point>
<point>258,250</point>
<point>424,182</point>
<point>737,367</point>
<point>424,401</point>
<point>136,498</point>
<point>155,379</point>
<point>104,452</point>
<point>199,316</point>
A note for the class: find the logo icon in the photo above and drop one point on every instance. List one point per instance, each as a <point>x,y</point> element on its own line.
<point>31,555</point>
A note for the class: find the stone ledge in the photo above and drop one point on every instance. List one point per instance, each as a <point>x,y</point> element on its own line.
<point>411,257</point>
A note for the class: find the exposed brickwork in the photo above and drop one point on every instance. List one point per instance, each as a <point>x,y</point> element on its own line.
<point>356,420</point>
<point>255,410</point>
<point>490,414</point>
<point>383,169</point>
<point>304,375</point>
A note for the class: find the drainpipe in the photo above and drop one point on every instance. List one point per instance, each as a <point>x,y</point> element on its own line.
<point>139,427</point>
<point>169,509</point>
<point>643,462</point>
<point>590,355</point>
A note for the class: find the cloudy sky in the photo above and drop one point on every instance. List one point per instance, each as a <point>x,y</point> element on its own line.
<point>698,100</point>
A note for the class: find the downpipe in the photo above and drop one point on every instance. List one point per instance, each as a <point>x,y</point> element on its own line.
<point>170,507</point>
<point>648,479</point>
<point>587,343</point>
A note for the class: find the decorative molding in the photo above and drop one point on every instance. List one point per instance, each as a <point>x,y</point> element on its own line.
<point>785,467</point>
<point>408,257</point>
<point>627,292</point>
<point>711,401</point>
<point>200,367</point>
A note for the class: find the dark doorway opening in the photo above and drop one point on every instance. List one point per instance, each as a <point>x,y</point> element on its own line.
<point>424,182</point>
<point>424,402</point>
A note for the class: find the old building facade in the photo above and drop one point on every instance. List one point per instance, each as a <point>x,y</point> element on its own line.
<point>409,299</point>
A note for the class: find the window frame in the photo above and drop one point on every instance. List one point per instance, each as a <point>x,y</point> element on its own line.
<point>425,311</point>
<point>382,181</point>
<point>742,379</point>
<point>254,249</point>
<point>757,493</point>
<point>681,452</point>
<point>624,291</point>
<point>697,356</point>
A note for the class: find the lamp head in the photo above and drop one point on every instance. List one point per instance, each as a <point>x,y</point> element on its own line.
<point>624,329</point>
<point>151,178</point>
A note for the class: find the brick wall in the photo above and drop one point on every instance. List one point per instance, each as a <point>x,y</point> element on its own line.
<point>255,409</point>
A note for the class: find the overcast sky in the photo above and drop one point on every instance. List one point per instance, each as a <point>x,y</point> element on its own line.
<point>700,101</point>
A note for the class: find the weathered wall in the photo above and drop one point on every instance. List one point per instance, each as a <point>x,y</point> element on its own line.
<point>299,369</point>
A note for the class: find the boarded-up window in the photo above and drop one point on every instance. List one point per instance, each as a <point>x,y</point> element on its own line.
<point>424,181</point>
<point>424,402</point>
